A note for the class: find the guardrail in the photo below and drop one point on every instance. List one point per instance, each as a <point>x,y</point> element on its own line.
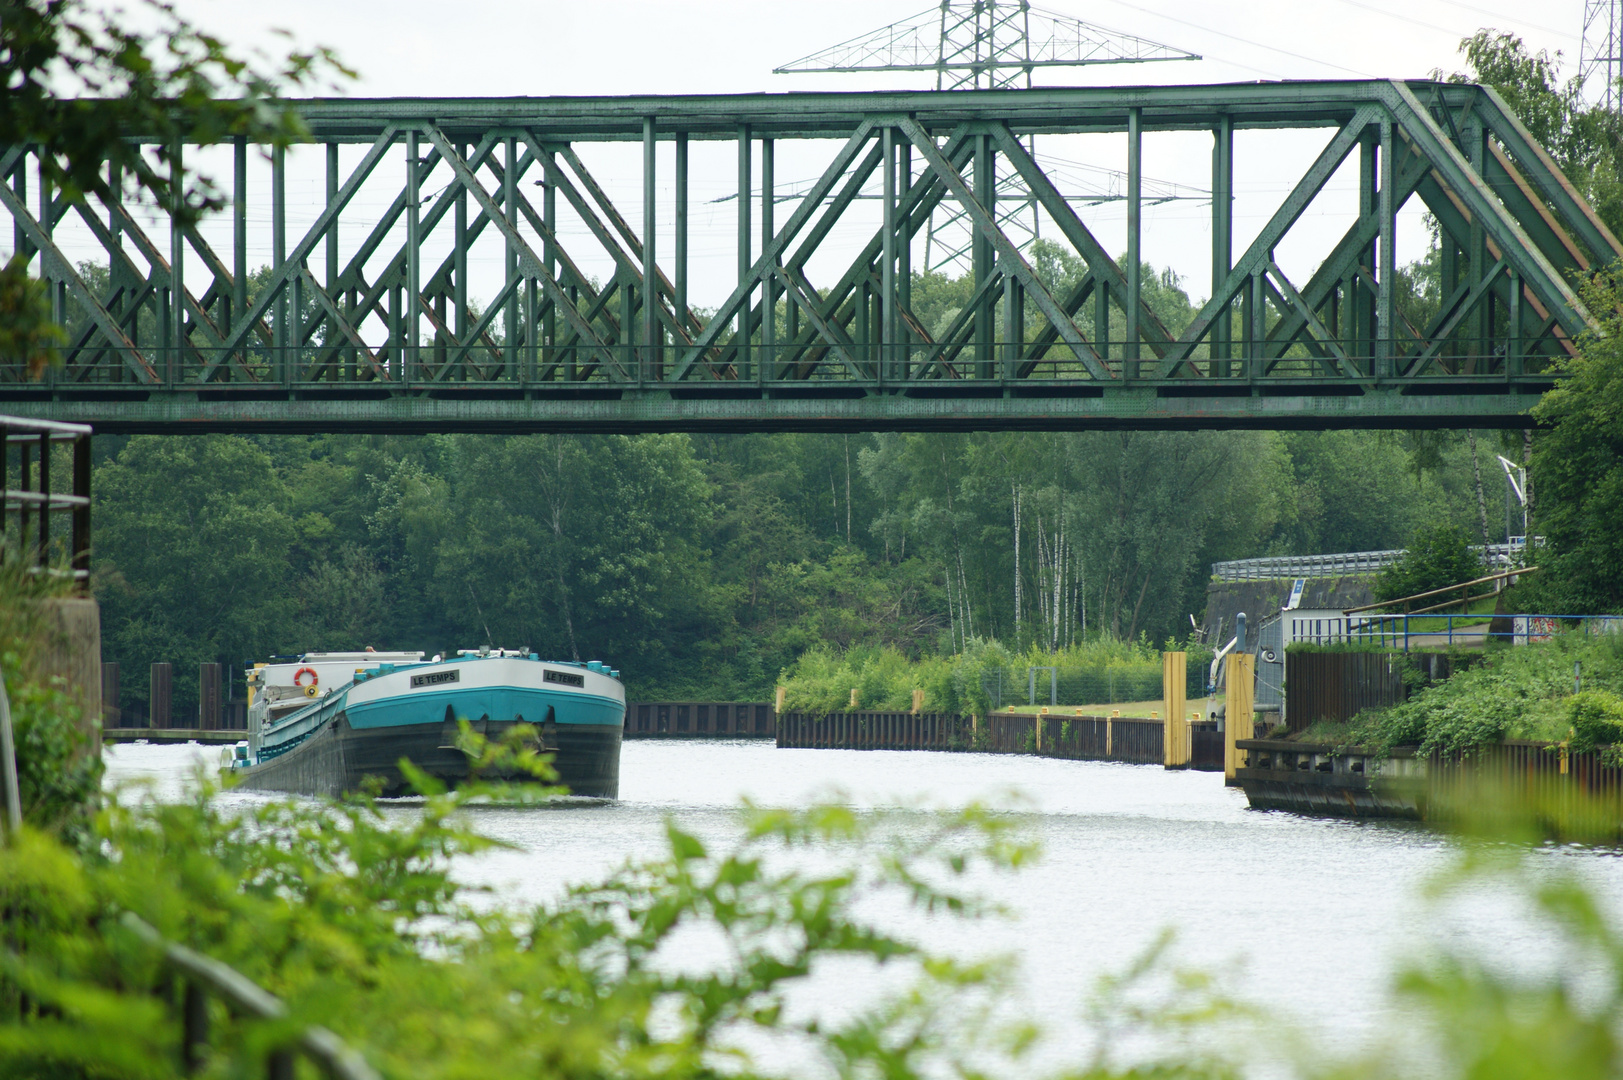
<point>29,498</point>
<point>1336,565</point>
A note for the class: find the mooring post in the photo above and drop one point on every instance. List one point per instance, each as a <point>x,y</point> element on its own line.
<point>1239,675</point>
<point>1174,688</point>
<point>158,696</point>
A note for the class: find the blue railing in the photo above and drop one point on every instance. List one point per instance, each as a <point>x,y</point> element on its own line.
<point>1402,632</point>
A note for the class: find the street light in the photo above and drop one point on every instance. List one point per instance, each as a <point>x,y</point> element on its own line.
<point>1515,482</point>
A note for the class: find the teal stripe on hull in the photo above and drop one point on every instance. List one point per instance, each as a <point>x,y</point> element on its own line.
<point>499,703</point>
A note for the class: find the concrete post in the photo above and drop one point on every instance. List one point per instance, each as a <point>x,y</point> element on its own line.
<point>1237,715</point>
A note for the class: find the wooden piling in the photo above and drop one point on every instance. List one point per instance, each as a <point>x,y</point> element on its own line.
<point>111,715</point>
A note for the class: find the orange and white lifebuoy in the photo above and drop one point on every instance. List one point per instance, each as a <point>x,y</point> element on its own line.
<point>315,681</point>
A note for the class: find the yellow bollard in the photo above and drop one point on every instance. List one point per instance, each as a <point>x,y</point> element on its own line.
<point>783,692</point>
<point>1240,674</point>
<point>853,698</point>
<point>918,702</point>
<point>1175,732</point>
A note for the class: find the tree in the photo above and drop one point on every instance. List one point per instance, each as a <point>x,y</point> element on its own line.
<point>1439,555</point>
<point>82,85</point>
<point>194,533</point>
<point>1586,142</point>
<point>1578,468</point>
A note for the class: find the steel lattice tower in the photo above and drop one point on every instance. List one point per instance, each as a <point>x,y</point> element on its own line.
<point>983,45</point>
<point>1602,51</point>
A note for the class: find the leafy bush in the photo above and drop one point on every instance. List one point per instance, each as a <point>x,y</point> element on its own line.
<point>1597,721</point>
<point>58,775</point>
<point>351,913</point>
<point>1521,692</point>
<point>1438,556</point>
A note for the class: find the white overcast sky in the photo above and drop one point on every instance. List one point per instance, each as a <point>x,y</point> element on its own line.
<point>542,47</point>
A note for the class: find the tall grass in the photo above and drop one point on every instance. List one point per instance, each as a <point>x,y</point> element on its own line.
<point>1091,672</point>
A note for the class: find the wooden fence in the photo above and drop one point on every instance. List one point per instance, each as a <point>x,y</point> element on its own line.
<point>700,720</point>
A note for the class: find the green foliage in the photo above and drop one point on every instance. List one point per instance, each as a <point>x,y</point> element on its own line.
<point>27,334</point>
<point>353,916</point>
<point>79,81</point>
<point>1516,692</point>
<point>821,680</point>
<point>1596,717</point>
<point>1437,556</point>
<point>1578,468</point>
<point>58,771</point>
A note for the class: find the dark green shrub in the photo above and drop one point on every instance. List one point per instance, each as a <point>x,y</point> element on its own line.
<point>1597,720</point>
<point>1438,556</point>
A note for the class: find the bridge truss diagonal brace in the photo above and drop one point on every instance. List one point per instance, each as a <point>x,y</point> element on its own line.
<point>1547,177</point>
<point>1473,190</point>
<point>526,254</point>
<point>1345,256</point>
<point>54,264</point>
<point>629,264</point>
<point>1087,245</point>
<point>1007,254</point>
<point>1455,310</point>
<point>282,275</point>
<point>770,255</point>
<point>1261,250</point>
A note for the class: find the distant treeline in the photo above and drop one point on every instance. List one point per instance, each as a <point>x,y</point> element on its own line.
<point>703,566</point>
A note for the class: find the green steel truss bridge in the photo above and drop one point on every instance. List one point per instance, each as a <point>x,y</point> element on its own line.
<point>174,336</point>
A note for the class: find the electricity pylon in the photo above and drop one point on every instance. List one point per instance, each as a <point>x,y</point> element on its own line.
<point>1602,51</point>
<point>983,45</point>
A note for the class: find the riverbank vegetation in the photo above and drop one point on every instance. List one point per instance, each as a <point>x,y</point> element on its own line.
<point>1515,692</point>
<point>983,676</point>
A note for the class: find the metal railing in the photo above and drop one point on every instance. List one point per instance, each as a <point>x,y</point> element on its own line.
<point>32,502</point>
<point>1405,631</point>
<point>204,975</point>
<point>1337,565</point>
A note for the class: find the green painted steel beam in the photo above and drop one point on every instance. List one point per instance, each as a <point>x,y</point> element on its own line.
<point>1276,404</point>
<point>383,341</point>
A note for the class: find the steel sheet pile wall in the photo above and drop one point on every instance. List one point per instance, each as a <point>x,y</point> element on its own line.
<point>1083,738</point>
<point>1337,686</point>
<point>1532,774</point>
<point>700,720</point>
<point>876,731</point>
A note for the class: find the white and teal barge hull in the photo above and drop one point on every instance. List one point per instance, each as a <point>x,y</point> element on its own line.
<point>325,723</point>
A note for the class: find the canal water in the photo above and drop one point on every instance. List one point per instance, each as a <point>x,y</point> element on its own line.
<point>1307,919</point>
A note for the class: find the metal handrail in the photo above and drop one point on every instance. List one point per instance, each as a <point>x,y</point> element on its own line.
<point>1347,562</point>
<point>205,975</point>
